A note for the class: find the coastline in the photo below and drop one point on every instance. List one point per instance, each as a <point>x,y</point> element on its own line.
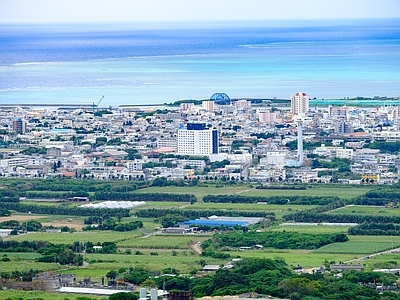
<point>364,102</point>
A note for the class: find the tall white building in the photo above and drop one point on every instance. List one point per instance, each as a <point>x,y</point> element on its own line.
<point>299,104</point>
<point>197,139</point>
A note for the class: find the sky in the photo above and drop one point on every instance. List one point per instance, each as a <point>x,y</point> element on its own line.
<point>111,11</point>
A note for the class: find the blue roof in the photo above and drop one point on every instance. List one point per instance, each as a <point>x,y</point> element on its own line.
<point>215,223</point>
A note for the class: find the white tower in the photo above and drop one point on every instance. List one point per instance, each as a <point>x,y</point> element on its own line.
<point>300,155</point>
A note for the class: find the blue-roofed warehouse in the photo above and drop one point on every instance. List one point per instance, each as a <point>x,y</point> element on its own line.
<point>215,221</point>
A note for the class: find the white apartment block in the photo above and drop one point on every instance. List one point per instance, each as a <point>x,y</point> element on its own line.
<point>388,136</point>
<point>193,163</point>
<point>197,139</point>
<point>274,158</point>
<point>266,116</point>
<point>13,162</point>
<point>167,142</point>
<point>299,104</point>
<point>134,165</point>
<point>332,152</point>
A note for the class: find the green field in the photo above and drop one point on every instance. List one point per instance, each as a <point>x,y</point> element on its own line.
<point>312,229</point>
<point>367,210</point>
<point>161,241</point>
<point>363,245</point>
<point>305,258</point>
<point>252,206</point>
<point>82,236</point>
<point>21,255</point>
<point>198,191</point>
<point>33,295</point>
<point>100,264</point>
<point>345,192</point>
<point>341,191</point>
<point>149,249</point>
<point>23,265</point>
<point>156,204</point>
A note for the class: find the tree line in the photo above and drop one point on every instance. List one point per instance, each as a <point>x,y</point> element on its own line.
<point>310,216</point>
<point>64,210</point>
<point>301,200</point>
<point>202,213</point>
<point>131,196</point>
<point>17,185</point>
<point>112,224</point>
<point>31,225</point>
<point>375,229</point>
<point>379,197</point>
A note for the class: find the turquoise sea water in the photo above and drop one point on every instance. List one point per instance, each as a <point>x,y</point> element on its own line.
<point>132,64</point>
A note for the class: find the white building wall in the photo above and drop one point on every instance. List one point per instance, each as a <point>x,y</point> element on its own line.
<point>195,142</point>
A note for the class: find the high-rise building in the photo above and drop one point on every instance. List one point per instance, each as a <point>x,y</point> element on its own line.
<point>19,126</point>
<point>299,104</point>
<point>197,139</point>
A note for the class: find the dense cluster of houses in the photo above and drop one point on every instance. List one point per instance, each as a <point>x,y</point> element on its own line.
<point>141,143</point>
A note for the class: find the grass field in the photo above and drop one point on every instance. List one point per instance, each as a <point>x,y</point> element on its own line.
<point>245,190</point>
<point>312,229</point>
<point>82,236</point>
<point>340,191</point>
<point>198,191</point>
<point>33,295</point>
<point>100,264</point>
<point>367,210</point>
<point>155,204</point>
<point>305,258</point>
<point>163,241</point>
<point>20,255</point>
<point>22,265</point>
<point>252,206</point>
<point>363,245</point>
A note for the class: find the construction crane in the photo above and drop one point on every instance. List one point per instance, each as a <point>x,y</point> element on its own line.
<point>96,106</point>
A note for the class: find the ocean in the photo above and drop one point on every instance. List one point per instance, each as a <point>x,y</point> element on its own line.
<point>133,64</point>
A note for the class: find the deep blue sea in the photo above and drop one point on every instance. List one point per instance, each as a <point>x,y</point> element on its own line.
<point>158,63</point>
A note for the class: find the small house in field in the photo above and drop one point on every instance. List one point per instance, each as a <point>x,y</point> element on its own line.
<point>5,232</point>
<point>211,268</point>
<point>53,230</point>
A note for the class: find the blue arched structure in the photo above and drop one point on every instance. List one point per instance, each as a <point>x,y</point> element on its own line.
<point>220,98</point>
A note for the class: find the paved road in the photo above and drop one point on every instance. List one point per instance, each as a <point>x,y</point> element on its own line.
<point>395,250</point>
